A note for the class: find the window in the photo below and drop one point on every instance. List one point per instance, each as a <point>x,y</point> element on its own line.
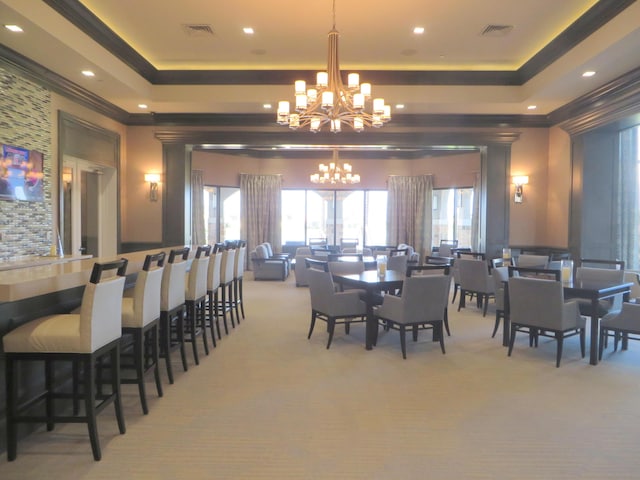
<point>452,215</point>
<point>221,213</point>
<point>333,215</point>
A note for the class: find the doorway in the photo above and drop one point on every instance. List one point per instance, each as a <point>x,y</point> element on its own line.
<point>89,208</point>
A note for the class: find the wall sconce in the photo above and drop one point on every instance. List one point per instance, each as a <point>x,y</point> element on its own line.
<point>519,181</point>
<point>153,179</point>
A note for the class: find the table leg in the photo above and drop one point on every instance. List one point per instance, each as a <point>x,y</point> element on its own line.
<point>371,332</point>
<point>595,333</point>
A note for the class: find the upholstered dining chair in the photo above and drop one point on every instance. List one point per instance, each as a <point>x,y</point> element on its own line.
<point>331,306</point>
<point>500,276</point>
<point>421,305</point>
<point>531,261</point>
<point>195,296</point>
<point>600,276</point>
<point>435,269</point>
<point>537,307</point>
<point>620,324</point>
<point>172,308</point>
<point>475,279</point>
<point>83,339</point>
<point>140,321</point>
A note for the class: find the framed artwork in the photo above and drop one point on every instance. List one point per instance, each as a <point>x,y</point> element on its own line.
<point>21,174</point>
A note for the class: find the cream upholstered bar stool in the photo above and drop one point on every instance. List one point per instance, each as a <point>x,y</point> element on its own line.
<point>226,287</point>
<point>140,321</point>
<point>238,276</point>
<point>213,285</point>
<point>195,300</point>
<point>82,339</point>
<point>172,308</point>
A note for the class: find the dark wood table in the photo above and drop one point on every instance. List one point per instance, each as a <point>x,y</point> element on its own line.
<point>373,284</point>
<point>588,291</point>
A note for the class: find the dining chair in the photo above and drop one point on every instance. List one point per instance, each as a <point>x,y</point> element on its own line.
<point>600,276</point>
<point>475,279</point>
<point>226,286</point>
<point>537,307</point>
<point>421,305</point>
<point>82,339</point>
<point>238,279</point>
<point>195,294</point>
<point>435,269</point>
<point>500,276</point>
<point>445,247</point>
<point>331,306</point>
<point>621,324</point>
<point>140,322</point>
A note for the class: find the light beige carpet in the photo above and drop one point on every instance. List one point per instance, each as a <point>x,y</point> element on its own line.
<point>270,404</point>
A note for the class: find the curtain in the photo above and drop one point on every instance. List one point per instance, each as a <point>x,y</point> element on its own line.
<point>197,208</point>
<point>260,210</point>
<point>475,214</point>
<point>627,204</point>
<point>409,212</point>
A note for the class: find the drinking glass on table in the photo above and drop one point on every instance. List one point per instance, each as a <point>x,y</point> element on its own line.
<point>381,261</point>
<point>566,271</point>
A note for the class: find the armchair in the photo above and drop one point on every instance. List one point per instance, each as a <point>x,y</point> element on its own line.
<point>266,268</point>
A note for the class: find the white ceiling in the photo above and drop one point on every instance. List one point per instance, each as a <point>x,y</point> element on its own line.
<point>290,34</point>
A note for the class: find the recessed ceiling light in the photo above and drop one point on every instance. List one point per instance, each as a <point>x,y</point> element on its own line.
<point>248,30</point>
<point>589,73</point>
<point>266,106</point>
<point>418,30</point>
<point>143,105</point>
<point>88,73</point>
<point>400,106</point>
<point>14,28</point>
<point>532,107</point>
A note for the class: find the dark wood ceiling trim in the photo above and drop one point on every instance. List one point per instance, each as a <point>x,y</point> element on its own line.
<point>613,102</point>
<point>18,63</point>
<point>249,121</point>
<point>84,19</point>
<point>242,140</point>
<point>597,16</point>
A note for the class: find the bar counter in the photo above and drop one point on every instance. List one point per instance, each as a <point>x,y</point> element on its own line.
<point>19,283</point>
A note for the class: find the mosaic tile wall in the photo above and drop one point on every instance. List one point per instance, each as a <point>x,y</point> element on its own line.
<point>25,121</point>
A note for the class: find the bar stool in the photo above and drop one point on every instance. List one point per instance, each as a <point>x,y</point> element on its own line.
<point>172,308</point>
<point>213,285</point>
<point>226,287</point>
<point>195,300</point>
<point>238,276</point>
<point>82,339</point>
<point>140,320</point>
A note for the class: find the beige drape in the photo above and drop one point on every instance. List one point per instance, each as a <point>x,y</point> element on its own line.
<point>409,212</point>
<point>197,208</point>
<point>260,210</point>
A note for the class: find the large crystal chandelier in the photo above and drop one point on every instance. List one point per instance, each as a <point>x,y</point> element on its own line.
<point>330,102</point>
<point>334,173</point>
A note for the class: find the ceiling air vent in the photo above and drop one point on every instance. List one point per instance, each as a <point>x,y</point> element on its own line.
<point>496,30</point>
<point>197,29</point>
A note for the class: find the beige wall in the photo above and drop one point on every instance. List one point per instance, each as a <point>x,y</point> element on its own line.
<point>543,154</point>
<point>450,171</point>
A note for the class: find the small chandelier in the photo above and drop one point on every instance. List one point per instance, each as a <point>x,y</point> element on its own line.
<point>331,102</point>
<point>334,173</point>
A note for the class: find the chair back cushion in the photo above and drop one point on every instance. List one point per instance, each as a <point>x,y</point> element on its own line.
<point>145,304</point>
<point>474,275</point>
<point>321,289</point>
<point>540,303</point>
<point>262,252</point>
<point>172,292</point>
<point>499,275</point>
<point>228,264</point>
<point>241,255</point>
<point>532,261</point>
<point>101,313</point>
<point>397,263</point>
<point>346,268</point>
<point>213,279</point>
<point>196,285</point>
